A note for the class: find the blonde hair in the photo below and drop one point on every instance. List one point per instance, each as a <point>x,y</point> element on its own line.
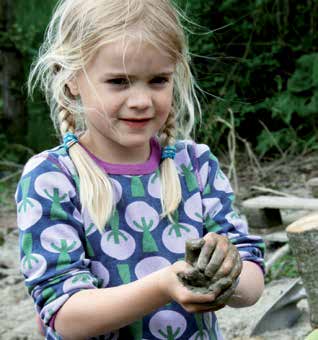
<point>77,30</point>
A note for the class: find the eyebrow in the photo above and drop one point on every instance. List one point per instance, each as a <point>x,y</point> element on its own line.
<point>124,75</point>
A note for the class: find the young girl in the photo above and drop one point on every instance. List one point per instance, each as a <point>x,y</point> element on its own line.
<point>104,217</point>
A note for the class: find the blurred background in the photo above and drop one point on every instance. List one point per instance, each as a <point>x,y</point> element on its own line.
<point>255,61</point>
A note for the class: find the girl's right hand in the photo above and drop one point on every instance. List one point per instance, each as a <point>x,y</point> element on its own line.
<point>171,286</point>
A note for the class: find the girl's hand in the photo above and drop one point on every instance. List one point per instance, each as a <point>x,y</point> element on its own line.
<point>216,265</point>
<point>173,288</point>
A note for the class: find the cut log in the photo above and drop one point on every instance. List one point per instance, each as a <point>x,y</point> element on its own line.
<point>264,211</point>
<point>274,202</point>
<point>303,241</point>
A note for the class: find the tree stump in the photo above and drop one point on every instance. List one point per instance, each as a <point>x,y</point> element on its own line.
<point>303,241</point>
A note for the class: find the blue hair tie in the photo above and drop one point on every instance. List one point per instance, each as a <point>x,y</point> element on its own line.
<point>69,139</point>
<point>168,151</point>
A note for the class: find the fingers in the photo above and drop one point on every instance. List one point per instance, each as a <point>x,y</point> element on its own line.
<point>225,295</point>
<point>189,276</point>
<point>220,283</point>
<point>206,253</point>
<point>224,288</point>
<point>202,308</point>
<point>193,249</point>
<point>186,296</point>
<point>192,277</point>
<point>231,266</point>
<point>219,253</point>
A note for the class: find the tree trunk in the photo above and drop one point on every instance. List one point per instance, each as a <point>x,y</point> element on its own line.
<point>14,119</point>
<point>303,240</point>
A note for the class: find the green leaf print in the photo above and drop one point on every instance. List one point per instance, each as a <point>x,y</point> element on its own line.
<point>199,321</point>
<point>85,278</point>
<point>48,295</point>
<point>261,245</point>
<point>25,185</point>
<point>64,258</point>
<point>176,227</point>
<point>210,326</point>
<point>136,330</point>
<point>211,225</point>
<point>57,211</point>
<point>148,243</point>
<point>191,180</point>
<point>169,334</point>
<point>207,190</point>
<point>89,248</point>
<point>124,272</point>
<point>137,188</point>
<point>136,327</point>
<point>27,244</point>
<point>77,182</point>
<point>212,157</point>
<point>220,175</point>
<point>115,233</point>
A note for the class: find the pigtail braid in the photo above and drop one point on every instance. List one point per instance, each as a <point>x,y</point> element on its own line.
<point>170,183</point>
<point>66,121</point>
<point>96,190</point>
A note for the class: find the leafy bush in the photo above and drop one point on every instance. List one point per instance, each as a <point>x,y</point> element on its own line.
<point>258,58</point>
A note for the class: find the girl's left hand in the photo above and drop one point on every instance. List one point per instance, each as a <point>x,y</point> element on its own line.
<point>217,259</point>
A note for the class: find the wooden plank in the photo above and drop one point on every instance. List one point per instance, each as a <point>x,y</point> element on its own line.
<point>274,202</point>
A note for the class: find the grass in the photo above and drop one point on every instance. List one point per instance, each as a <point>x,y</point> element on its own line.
<point>286,267</point>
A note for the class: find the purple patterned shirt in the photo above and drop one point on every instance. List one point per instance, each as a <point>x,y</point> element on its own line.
<point>62,252</point>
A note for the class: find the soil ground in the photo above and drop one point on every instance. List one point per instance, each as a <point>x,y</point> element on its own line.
<point>288,176</point>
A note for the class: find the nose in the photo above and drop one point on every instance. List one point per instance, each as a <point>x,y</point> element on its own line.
<point>139,99</point>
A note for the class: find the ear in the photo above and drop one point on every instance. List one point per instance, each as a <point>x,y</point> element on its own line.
<point>73,87</point>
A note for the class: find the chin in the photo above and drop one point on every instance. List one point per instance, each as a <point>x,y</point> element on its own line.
<point>135,142</point>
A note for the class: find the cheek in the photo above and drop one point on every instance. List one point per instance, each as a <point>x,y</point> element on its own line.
<point>165,103</point>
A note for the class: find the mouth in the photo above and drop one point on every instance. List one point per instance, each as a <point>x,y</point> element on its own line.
<point>136,122</point>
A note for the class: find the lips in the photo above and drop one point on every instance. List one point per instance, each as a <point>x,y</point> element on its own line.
<point>136,119</point>
<point>136,123</point>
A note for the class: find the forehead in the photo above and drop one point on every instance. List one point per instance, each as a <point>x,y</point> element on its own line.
<point>131,57</point>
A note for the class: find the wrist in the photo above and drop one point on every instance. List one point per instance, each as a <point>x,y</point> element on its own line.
<point>162,283</point>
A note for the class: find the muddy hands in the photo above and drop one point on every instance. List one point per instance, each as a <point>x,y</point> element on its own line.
<point>216,266</point>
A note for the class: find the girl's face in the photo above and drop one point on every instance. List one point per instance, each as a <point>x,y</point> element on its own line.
<point>127,92</point>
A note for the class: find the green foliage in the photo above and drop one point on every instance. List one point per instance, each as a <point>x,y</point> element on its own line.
<point>31,18</point>
<point>25,35</point>
<point>258,58</point>
<point>15,153</point>
<point>297,108</point>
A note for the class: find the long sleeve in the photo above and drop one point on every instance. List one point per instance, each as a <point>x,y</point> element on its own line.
<point>219,216</point>
<point>51,235</point>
